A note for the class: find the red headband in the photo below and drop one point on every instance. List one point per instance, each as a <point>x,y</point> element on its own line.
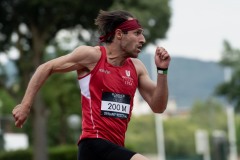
<point>125,26</point>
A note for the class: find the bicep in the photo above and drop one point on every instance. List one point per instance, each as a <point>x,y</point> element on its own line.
<point>81,57</point>
<point>146,85</point>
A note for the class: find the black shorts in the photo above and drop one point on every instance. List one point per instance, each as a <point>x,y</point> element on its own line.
<point>100,149</point>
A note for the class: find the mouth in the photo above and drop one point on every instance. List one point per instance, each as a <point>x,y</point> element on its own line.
<point>139,48</point>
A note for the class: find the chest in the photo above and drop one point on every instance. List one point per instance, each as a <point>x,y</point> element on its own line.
<point>118,79</point>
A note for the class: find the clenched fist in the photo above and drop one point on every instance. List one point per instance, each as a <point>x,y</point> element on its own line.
<point>20,114</point>
<point>162,58</point>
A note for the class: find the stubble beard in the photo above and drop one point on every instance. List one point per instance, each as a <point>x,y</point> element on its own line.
<point>130,54</point>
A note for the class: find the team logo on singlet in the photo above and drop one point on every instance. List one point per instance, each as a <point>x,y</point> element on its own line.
<point>127,73</point>
<point>128,80</point>
<point>115,105</point>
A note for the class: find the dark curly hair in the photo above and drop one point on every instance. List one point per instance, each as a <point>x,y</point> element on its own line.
<point>108,21</point>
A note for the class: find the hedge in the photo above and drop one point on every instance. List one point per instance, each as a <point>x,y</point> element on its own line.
<point>56,153</point>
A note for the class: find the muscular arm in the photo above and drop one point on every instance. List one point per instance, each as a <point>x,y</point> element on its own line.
<point>81,57</point>
<point>156,95</point>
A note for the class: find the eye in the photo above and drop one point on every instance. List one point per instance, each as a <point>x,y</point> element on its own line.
<point>139,32</point>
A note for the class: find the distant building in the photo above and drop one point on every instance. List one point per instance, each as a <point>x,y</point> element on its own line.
<point>142,108</point>
<point>15,141</point>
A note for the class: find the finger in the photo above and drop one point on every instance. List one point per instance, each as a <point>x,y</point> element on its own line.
<point>15,109</point>
<point>165,56</point>
<point>160,51</point>
<point>157,51</point>
<point>18,120</point>
<point>19,124</point>
<point>163,53</point>
<point>15,115</point>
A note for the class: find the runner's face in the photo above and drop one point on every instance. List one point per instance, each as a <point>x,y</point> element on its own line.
<point>132,42</point>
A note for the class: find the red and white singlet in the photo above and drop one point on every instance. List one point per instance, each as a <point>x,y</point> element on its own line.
<point>107,100</point>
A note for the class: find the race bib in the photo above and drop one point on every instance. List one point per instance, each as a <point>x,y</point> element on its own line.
<point>115,105</point>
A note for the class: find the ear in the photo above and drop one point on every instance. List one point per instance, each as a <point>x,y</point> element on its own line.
<point>118,34</point>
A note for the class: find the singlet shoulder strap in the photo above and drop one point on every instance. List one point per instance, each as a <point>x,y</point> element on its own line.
<point>103,50</point>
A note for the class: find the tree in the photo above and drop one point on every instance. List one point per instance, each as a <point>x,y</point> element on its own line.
<point>238,131</point>
<point>155,25</point>
<point>141,135</point>
<point>31,26</point>
<point>231,89</point>
<point>208,115</point>
<point>179,137</point>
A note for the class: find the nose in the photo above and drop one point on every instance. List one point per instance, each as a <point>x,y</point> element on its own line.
<point>142,39</point>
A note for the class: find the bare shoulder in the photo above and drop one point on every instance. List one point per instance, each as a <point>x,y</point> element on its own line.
<point>89,49</point>
<point>88,53</point>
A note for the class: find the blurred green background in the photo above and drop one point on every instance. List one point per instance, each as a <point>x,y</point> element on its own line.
<point>32,32</point>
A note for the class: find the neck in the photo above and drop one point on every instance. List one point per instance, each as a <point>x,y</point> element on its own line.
<point>115,56</point>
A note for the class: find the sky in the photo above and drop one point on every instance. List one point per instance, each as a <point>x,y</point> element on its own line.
<point>199,27</point>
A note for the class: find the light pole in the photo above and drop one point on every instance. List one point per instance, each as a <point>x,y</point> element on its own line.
<point>1,131</point>
<point>230,121</point>
<point>231,133</point>
<point>202,144</point>
<point>160,137</point>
